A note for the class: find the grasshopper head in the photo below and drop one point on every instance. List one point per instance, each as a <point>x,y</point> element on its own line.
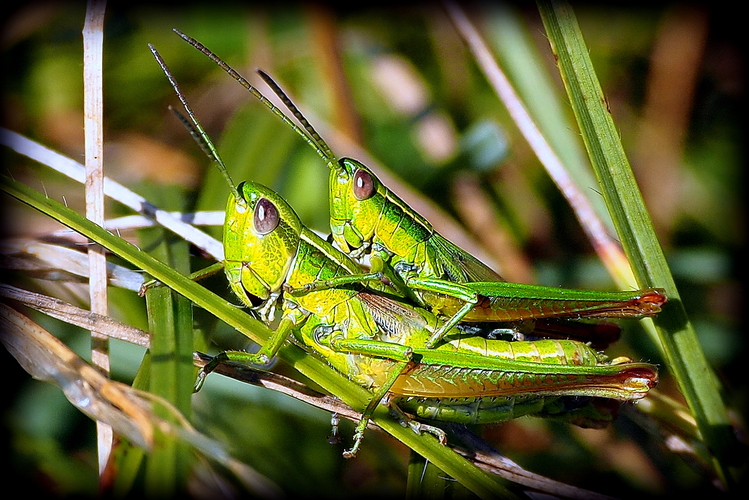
<point>356,201</point>
<point>261,238</point>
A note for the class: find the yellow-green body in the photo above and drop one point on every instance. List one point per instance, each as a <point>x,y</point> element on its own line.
<point>354,327</point>
<point>366,217</point>
<point>374,335</point>
<point>377,220</point>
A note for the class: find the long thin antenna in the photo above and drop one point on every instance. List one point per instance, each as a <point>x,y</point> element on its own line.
<point>308,133</point>
<point>193,125</point>
<point>276,88</point>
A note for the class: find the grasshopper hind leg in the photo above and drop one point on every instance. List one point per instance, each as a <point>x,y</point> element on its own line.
<point>367,413</point>
<point>406,421</point>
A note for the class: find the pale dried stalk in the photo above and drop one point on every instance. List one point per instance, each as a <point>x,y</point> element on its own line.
<point>76,171</point>
<point>607,248</point>
<point>56,308</point>
<point>93,40</point>
<point>130,411</point>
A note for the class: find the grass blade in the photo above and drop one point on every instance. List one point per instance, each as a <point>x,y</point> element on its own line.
<point>676,336</point>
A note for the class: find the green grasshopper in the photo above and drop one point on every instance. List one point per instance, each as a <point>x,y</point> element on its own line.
<point>368,218</point>
<point>380,341</point>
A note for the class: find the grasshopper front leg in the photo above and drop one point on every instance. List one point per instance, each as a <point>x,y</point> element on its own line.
<point>380,272</point>
<point>339,281</point>
<point>262,357</point>
<point>196,276</point>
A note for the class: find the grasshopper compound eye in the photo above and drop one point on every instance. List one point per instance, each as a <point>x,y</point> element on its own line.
<point>364,186</point>
<point>266,217</point>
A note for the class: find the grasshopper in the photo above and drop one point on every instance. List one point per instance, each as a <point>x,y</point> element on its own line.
<point>367,218</point>
<point>380,340</point>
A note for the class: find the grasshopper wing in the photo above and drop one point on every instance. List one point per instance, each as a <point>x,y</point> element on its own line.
<point>459,266</point>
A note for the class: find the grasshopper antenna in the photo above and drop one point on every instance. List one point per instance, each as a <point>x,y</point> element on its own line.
<point>308,133</point>
<point>193,125</point>
<point>276,88</point>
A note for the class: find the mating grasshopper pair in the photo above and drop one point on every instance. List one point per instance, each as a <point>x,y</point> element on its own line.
<point>399,328</point>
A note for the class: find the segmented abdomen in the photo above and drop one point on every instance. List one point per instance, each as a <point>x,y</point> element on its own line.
<point>549,351</point>
<point>581,411</point>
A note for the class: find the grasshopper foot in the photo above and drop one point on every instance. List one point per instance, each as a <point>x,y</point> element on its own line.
<point>147,285</point>
<point>334,437</point>
<point>208,368</point>
<point>358,436</point>
<point>419,428</point>
<point>351,452</point>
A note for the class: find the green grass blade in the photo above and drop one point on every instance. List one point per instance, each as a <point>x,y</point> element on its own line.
<point>479,482</point>
<point>171,369</point>
<point>677,338</point>
<point>162,472</point>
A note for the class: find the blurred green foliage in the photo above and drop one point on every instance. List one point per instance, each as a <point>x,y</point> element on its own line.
<point>381,76</point>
